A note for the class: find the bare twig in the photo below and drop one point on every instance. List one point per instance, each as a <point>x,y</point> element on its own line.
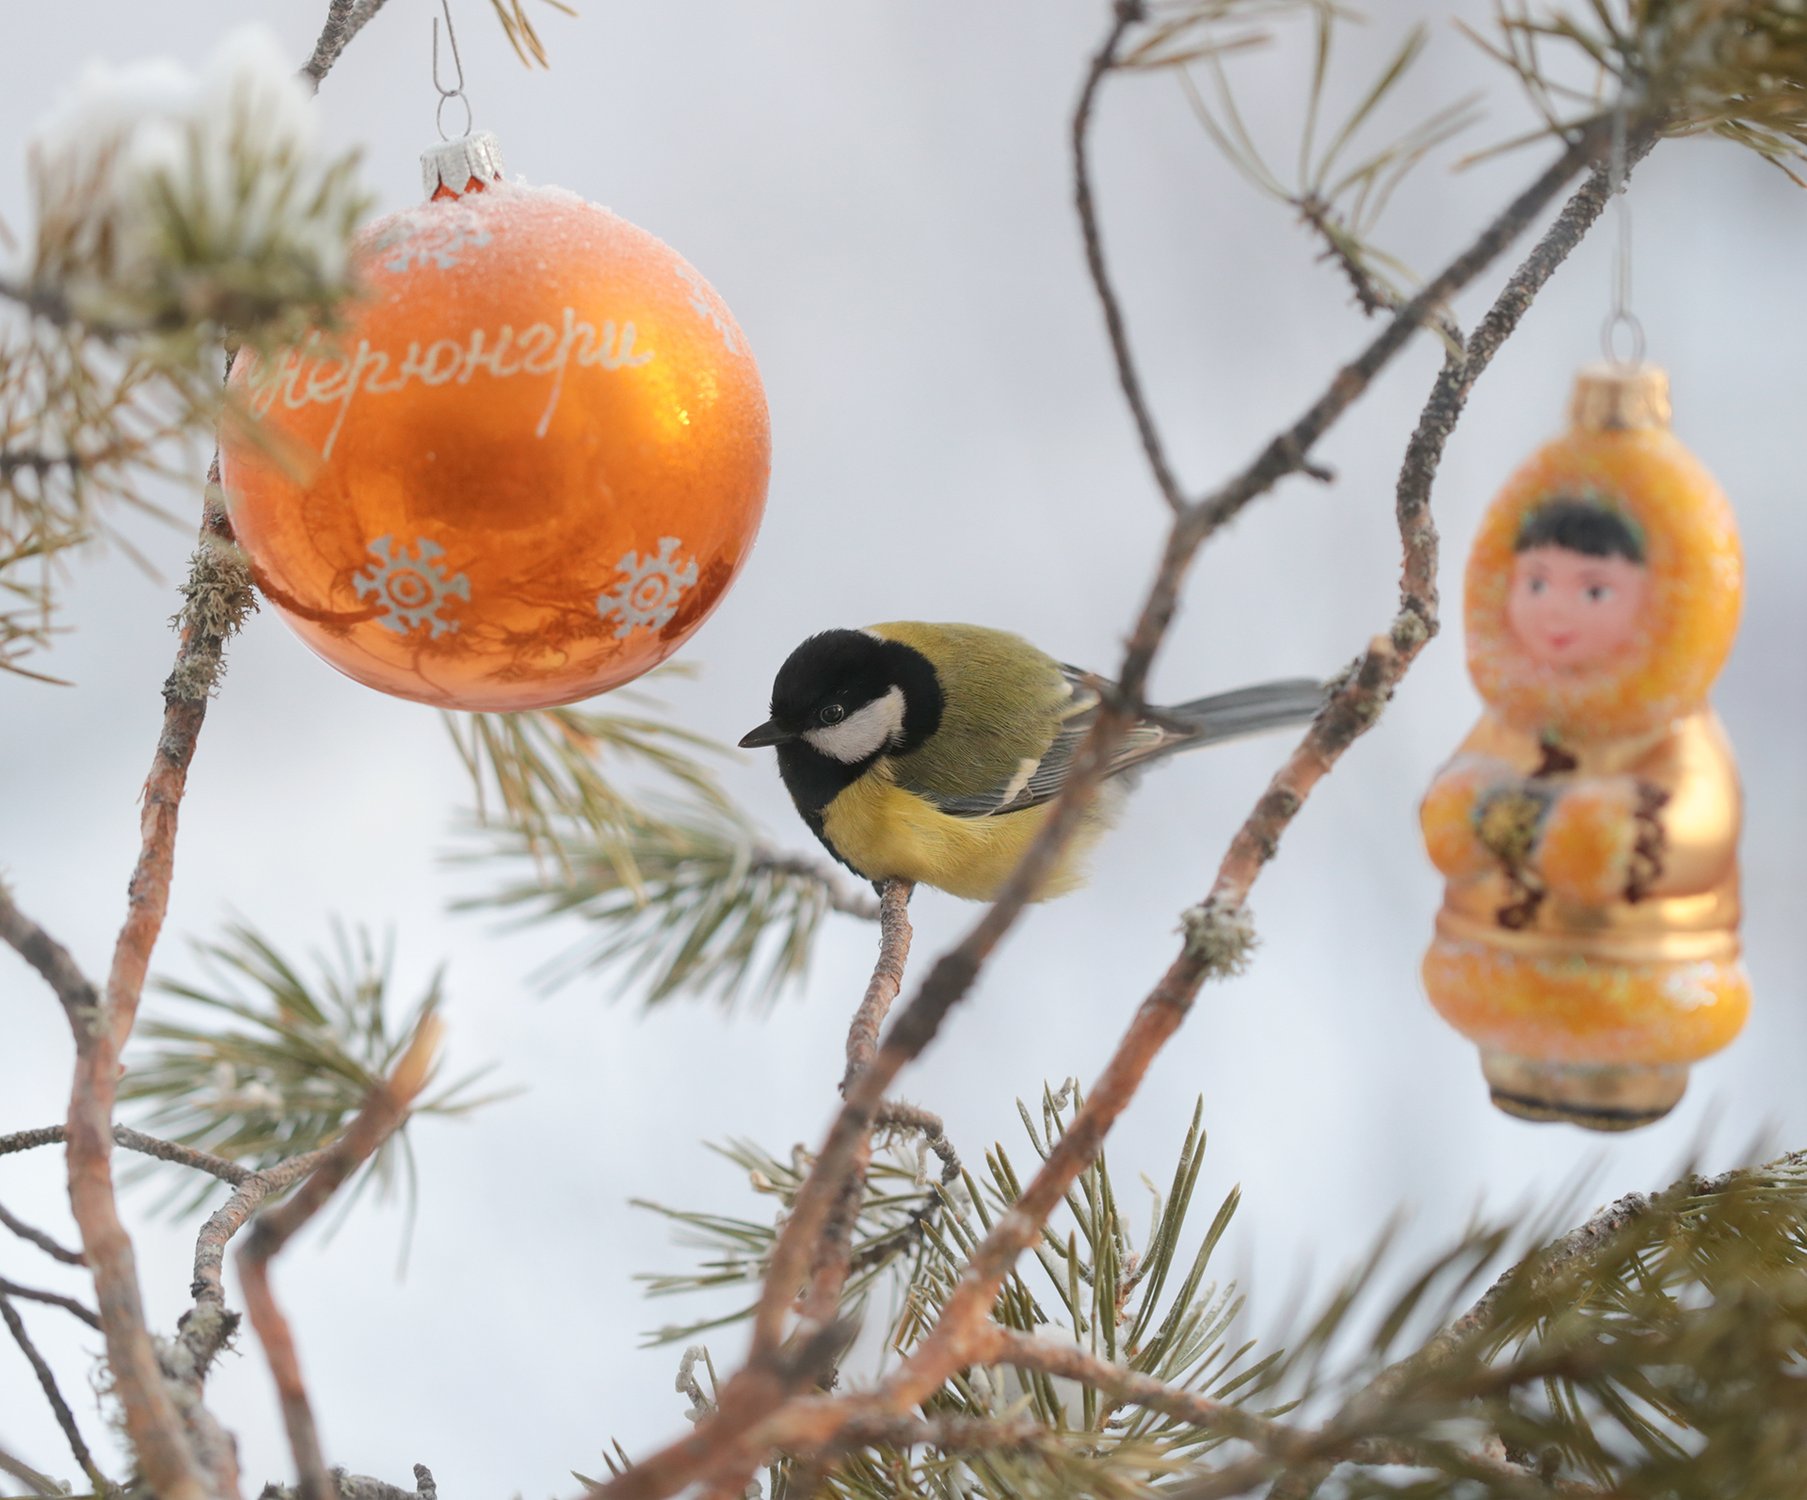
<point>363,1487</point>
<point>1125,16</point>
<point>51,1247</point>
<point>135,1140</point>
<point>383,1111</point>
<point>835,891</point>
<point>47,1380</point>
<point>50,1299</point>
<point>49,957</point>
<point>205,1328</point>
<point>887,979</point>
<point>834,1252</point>
<point>39,1484</point>
<point>344,20</point>
<point>1005,1346</point>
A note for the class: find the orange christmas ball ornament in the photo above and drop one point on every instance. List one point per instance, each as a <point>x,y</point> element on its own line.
<point>522,471</point>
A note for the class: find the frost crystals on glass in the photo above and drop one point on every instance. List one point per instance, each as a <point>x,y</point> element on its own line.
<point>703,299</point>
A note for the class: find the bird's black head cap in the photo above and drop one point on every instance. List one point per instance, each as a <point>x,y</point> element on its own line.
<point>833,675</point>
<point>842,699</point>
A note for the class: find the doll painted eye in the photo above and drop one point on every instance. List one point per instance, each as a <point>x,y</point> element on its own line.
<point>832,714</point>
<point>1598,593</point>
<point>1536,585</point>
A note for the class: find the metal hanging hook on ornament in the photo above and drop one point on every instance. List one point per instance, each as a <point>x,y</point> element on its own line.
<point>446,95</point>
<point>1621,318</point>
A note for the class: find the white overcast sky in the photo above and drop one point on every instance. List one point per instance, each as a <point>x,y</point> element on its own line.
<point>880,190</point>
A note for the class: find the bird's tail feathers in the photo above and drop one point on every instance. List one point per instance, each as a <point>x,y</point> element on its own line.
<point>1250,710</point>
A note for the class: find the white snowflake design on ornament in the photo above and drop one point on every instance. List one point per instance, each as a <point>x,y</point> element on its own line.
<point>649,591</point>
<point>436,234</point>
<point>410,589</point>
<point>703,300</point>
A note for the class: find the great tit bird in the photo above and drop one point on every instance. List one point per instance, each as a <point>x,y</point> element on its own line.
<point>933,752</point>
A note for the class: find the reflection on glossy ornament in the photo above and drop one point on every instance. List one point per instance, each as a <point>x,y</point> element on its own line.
<point>525,467</point>
<point>1588,826</point>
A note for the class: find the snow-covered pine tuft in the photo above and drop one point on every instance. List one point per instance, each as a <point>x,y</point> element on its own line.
<point>168,199</point>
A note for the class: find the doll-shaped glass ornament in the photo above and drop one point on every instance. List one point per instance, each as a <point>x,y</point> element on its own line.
<point>1588,825</point>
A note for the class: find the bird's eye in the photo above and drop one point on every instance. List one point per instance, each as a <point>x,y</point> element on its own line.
<point>833,713</point>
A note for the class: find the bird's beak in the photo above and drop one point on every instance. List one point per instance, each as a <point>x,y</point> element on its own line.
<point>768,733</point>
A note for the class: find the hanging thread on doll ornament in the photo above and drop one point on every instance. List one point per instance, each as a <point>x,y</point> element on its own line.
<point>446,95</point>
<point>524,463</point>
<point>1621,318</point>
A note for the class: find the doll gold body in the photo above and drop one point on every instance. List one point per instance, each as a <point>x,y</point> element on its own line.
<point>1588,825</point>
<point>933,753</point>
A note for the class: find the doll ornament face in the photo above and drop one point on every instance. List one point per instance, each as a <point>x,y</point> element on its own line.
<point>1572,611</point>
<point>1588,825</point>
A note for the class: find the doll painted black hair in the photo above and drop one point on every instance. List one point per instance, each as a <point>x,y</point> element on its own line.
<point>1587,526</point>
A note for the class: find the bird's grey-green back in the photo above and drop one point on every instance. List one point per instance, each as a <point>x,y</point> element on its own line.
<point>1004,701</point>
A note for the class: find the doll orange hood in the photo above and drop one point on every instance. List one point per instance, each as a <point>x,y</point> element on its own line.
<point>1620,453</point>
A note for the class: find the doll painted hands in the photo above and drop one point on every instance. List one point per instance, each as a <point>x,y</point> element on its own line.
<point>1588,825</point>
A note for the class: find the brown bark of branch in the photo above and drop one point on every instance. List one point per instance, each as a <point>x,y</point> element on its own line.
<point>383,1111</point>
<point>834,1252</point>
<point>205,1328</point>
<point>135,1140</point>
<point>887,979</point>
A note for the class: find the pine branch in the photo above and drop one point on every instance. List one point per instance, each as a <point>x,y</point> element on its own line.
<point>1342,203</point>
<point>517,26</point>
<point>709,909</point>
<point>295,1059</point>
<point>1735,68</point>
<point>544,769</point>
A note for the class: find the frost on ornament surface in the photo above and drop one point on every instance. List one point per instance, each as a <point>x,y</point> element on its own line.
<point>547,420</point>
<point>167,197</point>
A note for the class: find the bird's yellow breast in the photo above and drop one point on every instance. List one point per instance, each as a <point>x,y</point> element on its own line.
<point>887,833</point>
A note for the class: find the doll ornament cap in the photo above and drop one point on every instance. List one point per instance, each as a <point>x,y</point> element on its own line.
<point>1610,397</point>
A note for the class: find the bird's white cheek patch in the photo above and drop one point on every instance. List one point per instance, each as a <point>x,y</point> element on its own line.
<point>864,732</point>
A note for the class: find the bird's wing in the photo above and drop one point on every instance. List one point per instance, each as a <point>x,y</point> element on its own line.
<point>1039,779</point>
